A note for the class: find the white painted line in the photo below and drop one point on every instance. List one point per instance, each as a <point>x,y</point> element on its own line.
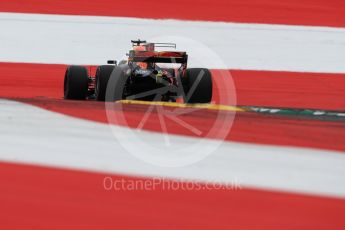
<point>93,40</point>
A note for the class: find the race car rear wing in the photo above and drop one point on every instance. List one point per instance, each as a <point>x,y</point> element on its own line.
<point>153,44</point>
<point>158,57</point>
<point>166,45</point>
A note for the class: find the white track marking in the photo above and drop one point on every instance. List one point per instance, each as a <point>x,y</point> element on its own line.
<point>92,40</point>
<point>33,135</point>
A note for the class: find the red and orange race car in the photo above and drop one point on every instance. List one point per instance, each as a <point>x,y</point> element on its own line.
<point>142,77</point>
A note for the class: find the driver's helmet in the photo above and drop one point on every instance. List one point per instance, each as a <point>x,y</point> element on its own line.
<point>142,65</point>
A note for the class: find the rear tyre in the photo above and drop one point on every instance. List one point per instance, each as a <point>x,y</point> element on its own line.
<point>197,86</point>
<point>116,85</point>
<point>76,83</point>
<point>103,74</point>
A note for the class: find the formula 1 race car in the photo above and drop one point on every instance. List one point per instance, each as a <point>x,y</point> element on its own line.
<point>141,77</point>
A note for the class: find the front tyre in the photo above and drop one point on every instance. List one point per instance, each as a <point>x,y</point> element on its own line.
<point>76,83</point>
<point>197,85</point>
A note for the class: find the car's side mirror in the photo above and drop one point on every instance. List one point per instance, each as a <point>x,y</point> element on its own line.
<point>112,62</point>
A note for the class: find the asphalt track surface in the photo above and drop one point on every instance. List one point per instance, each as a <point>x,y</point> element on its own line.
<point>41,197</point>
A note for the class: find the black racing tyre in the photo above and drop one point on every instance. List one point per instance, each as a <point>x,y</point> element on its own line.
<point>197,85</point>
<point>116,85</point>
<point>103,74</point>
<point>76,83</point>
